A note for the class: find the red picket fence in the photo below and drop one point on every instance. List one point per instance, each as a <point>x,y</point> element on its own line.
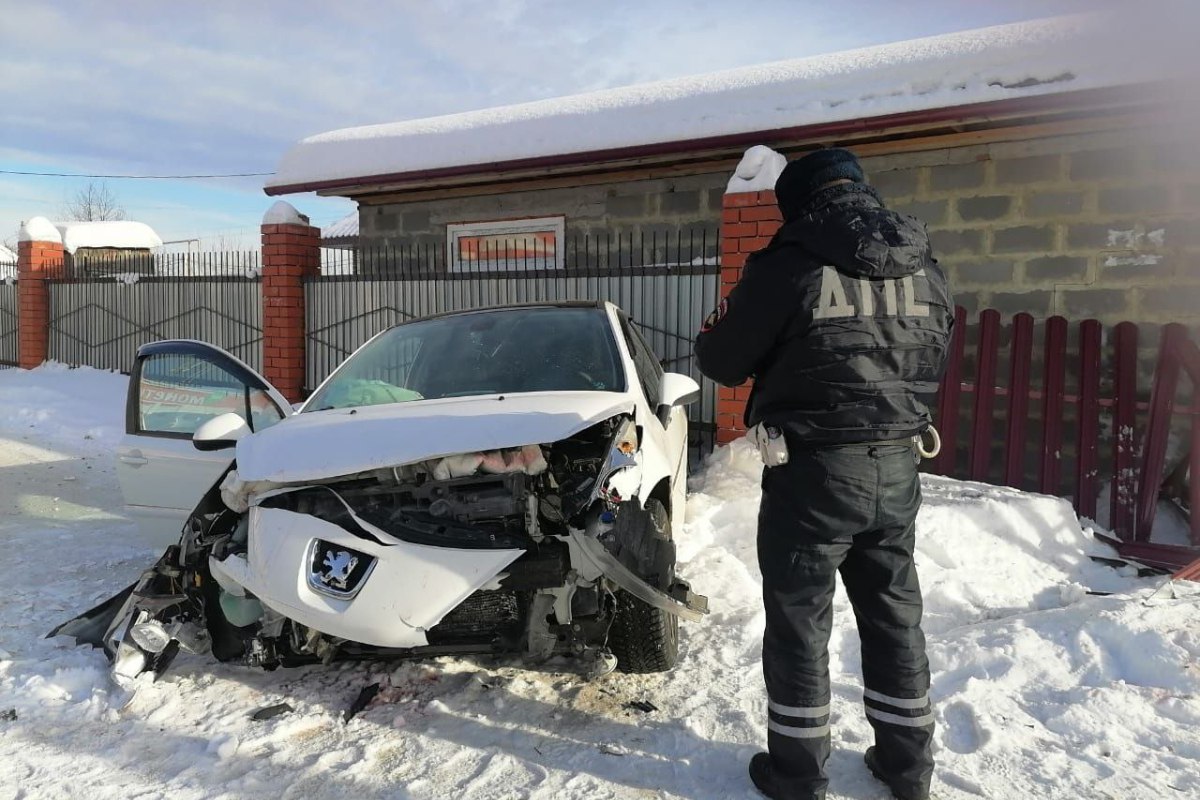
<point>1052,437</point>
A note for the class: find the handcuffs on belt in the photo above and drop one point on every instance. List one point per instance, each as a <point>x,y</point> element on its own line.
<point>772,447</point>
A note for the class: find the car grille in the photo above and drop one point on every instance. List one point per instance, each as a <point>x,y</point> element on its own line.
<point>482,616</point>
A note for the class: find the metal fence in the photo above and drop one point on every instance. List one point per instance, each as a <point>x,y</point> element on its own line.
<point>8,323</point>
<point>666,283</point>
<point>101,311</point>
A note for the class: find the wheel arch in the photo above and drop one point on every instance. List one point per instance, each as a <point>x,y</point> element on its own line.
<point>662,493</point>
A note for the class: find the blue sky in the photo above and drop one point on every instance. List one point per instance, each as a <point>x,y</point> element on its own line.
<point>135,87</point>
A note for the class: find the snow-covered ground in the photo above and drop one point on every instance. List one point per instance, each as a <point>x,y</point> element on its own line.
<point>1041,689</point>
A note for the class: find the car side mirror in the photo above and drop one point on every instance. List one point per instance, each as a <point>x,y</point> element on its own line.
<point>676,390</point>
<point>220,432</point>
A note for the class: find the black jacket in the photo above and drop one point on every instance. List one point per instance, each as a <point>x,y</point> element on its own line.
<point>843,321</point>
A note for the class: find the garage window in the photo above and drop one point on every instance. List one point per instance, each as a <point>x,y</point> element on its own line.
<point>503,245</point>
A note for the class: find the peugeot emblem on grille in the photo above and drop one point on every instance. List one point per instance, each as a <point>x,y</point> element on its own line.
<point>337,571</point>
<point>340,565</point>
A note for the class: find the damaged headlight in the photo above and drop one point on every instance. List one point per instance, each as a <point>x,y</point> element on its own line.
<point>151,636</point>
<point>601,463</point>
<point>620,475</point>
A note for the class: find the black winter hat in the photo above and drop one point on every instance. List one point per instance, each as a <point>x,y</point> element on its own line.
<point>804,176</point>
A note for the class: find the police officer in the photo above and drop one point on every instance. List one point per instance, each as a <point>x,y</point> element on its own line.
<point>843,321</point>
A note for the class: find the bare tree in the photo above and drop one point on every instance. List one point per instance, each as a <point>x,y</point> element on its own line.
<point>93,203</point>
<point>224,243</point>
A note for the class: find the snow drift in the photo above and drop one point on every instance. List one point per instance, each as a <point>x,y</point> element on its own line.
<point>1040,688</point>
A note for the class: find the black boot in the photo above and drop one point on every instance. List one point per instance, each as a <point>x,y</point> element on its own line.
<point>898,792</point>
<point>771,783</point>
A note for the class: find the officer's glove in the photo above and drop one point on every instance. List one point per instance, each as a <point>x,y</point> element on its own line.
<point>770,443</point>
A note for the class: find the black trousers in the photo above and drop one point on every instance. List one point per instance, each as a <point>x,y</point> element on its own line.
<point>850,509</point>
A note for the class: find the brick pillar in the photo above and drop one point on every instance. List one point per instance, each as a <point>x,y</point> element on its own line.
<point>748,221</point>
<point>39,256</point>
<point>291,250</point>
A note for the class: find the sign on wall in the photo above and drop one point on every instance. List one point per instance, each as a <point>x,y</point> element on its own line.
<point>514,244</point>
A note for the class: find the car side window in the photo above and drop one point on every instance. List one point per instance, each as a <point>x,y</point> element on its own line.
<point>263,411</point>
<point>177,393</point>
<point>649,370</point>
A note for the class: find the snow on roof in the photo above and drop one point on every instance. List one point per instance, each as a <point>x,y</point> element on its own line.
<point>117,233</point>
<point>344,227</point>
<point>1002,62</point>
<point>7,256</point>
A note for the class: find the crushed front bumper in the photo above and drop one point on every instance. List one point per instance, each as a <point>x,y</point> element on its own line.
<point>406,590</point>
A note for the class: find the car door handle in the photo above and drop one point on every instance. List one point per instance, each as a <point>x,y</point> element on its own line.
<point>133,458</point>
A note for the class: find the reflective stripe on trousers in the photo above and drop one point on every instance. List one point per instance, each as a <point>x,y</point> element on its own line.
<point>798,722</point>
<point>908,712</point>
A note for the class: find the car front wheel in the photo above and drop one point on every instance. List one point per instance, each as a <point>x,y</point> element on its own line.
<point>642,637</point>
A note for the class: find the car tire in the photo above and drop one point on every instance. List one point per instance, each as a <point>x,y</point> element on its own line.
<point>644,638</point>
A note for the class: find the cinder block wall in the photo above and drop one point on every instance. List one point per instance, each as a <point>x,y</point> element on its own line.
<point>1097,225</point>
<point>638,208</point>
<point>1103,225</point>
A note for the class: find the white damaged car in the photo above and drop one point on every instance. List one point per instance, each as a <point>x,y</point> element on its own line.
<point>506,480</point>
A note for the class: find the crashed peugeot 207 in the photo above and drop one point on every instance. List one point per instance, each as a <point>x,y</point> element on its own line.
<point>498,481</point>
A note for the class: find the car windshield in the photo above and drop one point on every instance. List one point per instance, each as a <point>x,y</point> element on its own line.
<point>506,351</point>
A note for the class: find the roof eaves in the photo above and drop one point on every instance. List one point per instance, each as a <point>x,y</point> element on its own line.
<point>1049,104</point>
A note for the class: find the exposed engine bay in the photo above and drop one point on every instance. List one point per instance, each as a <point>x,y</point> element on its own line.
<point>541,550</point>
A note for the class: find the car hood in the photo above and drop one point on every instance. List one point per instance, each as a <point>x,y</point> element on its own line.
<point>329,444</point>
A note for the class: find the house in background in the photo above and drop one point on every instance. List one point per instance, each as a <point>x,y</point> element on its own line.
<point>342,234</point>
<point>107,248</point>
<point>339,246</point>
<point>1047,158</point>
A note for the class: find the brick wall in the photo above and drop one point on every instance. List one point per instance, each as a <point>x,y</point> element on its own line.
<point>1097,225</point>
<point>748,221</point>
<point>36,261</point>
<point>290,252</point>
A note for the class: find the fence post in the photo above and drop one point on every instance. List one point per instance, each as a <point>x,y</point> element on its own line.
<point>949,395</point>
<point>1124,494</point>
<point>39,256</point>
<point>1088,418</point>
<point>983,422</point>
<point>291,250</point>
<point>1054,386</point>
<point>1158,427</point>
<point>1018,400</point>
